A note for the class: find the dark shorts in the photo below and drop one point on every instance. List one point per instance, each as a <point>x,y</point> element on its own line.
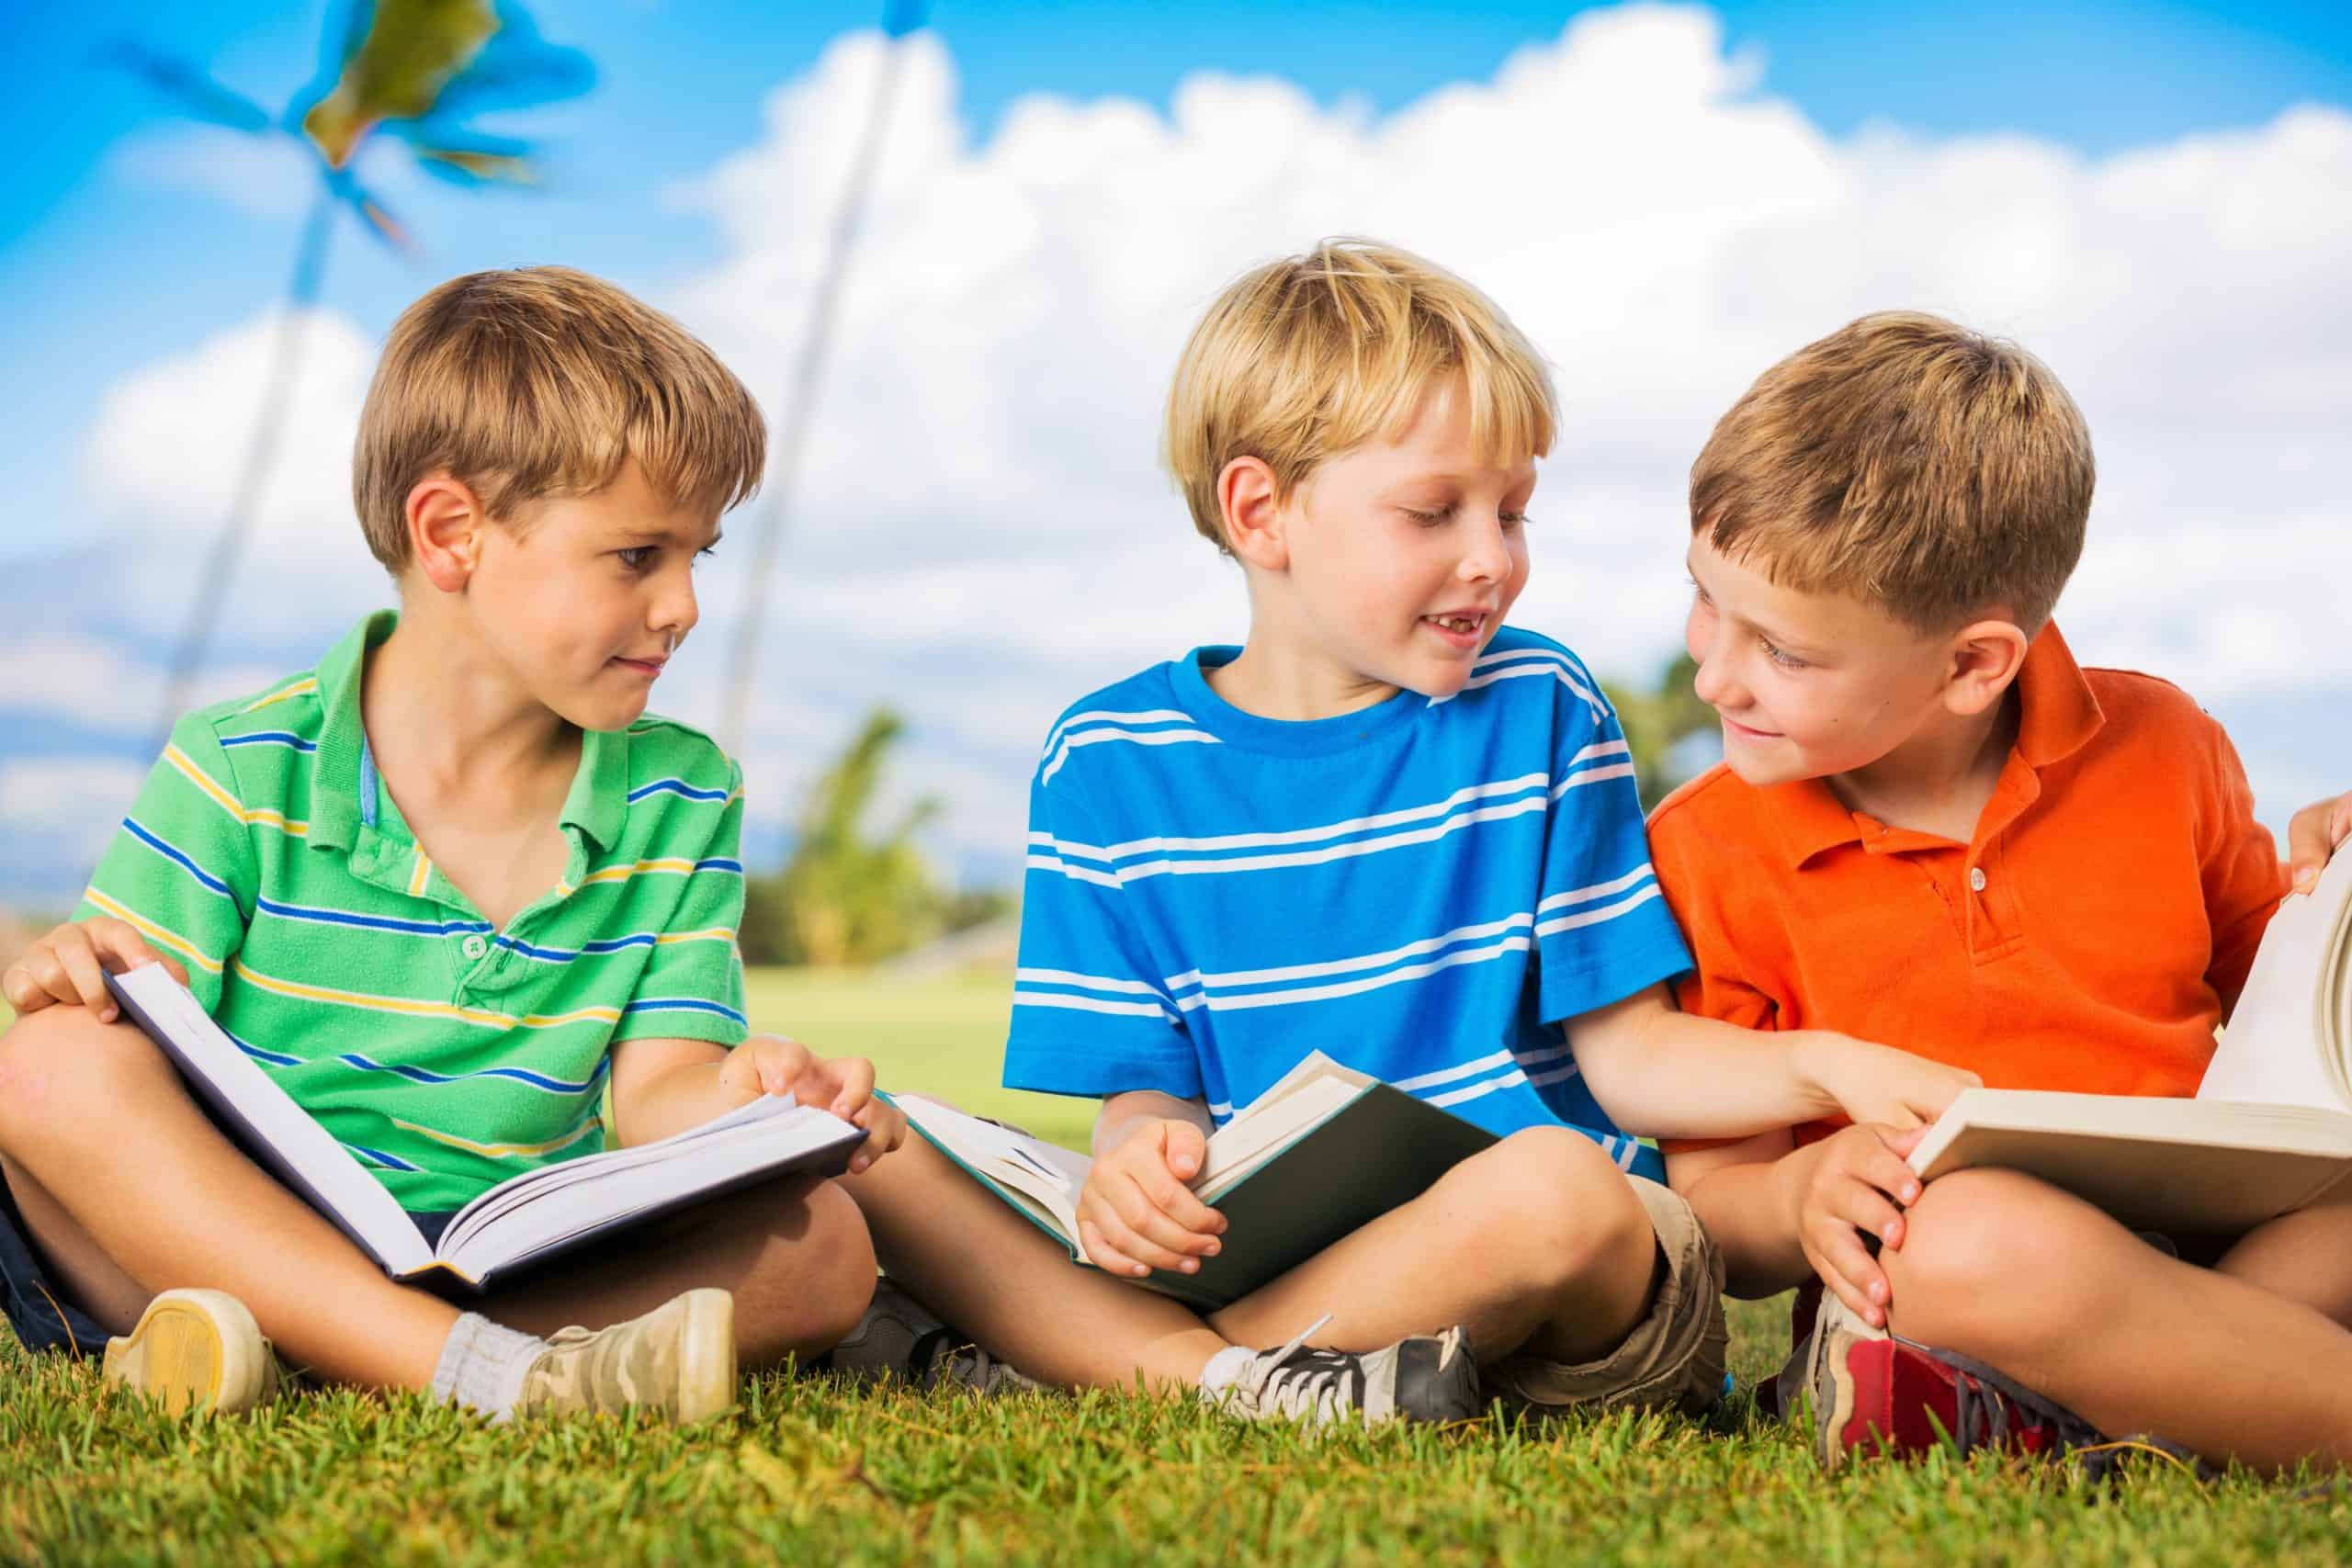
<point>43,1312</point>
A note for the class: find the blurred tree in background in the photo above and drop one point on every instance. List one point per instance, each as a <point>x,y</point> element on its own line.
<point>1657,721</point>
<point>849,894</point>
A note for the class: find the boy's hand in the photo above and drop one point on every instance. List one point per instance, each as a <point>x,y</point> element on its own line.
<point>769,1064</point>
<point>2312,837</point>
<point>69,965</point>
<point>1858,1177</point>
<point>1878,1083</point>
<point>1136,1213</point>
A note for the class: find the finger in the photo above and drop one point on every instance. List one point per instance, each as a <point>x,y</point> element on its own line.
<point>1846,1268</point>
<point>120,941</point>
<point>20,991</point>
<point>854,1083</point>
<point>1864,1209</point>
<point>1881,1169</point>
<point>2308,842</point>
<point>177,970</point>
<point>87,976</point>
<point>1183,1149</point>
<point>1150,1234</point>
<point>1142,1254</point>
<point>1904,1142</point>
<point>1103,1256</point>
<point>2339,821</point>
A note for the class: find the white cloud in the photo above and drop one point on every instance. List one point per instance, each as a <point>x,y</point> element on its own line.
<point>270,174</point>
<point>981,531</point>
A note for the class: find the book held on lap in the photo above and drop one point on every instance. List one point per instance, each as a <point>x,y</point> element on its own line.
<point>516,1224</point>
<point>2270,1127</point>
<point>1320,1156</point>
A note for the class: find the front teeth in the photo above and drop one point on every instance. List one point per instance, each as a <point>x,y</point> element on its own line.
<point>1457,623</point>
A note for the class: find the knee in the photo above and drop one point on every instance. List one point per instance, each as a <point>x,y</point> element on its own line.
<point>821,1284</point>
<point>1558,1208</point>
<point>64,1073</point>
<point>1971,1241</point>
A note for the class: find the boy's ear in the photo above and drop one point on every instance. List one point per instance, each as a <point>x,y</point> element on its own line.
<point>1985,659</point>
<point>446,526</point>
<point>1249,499</point>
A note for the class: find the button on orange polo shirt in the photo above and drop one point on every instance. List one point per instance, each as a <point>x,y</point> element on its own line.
<point>2087,937</point>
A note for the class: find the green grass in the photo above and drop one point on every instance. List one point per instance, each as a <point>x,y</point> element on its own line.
<point>808,1471</point>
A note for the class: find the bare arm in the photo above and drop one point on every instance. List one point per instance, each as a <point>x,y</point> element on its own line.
<point>661,1086</point>
<point>1122,1112</point>
<point>1746,1195</point>
<point>1668,1074</point>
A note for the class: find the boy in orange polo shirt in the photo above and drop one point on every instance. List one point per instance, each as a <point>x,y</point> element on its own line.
<point>1932,826</point>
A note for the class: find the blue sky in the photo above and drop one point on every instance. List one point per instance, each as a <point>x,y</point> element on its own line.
<point>99,278</point>
<point>121,250</point>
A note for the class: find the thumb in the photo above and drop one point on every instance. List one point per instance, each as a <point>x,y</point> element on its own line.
<point>1903,1142</point>
<point>1185,1148</point>
<point>174,967</point>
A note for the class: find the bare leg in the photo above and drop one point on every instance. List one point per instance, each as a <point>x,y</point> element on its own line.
<point>194,1210</point>
<point>2004,1270</point>
<point>1537,1244</point>
<point>795,1254</point>
<point>184,1207</point>
<point>998,1278</point>
<point>2304,1257</point>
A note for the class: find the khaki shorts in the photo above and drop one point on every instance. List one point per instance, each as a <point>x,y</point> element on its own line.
<point>1674,1357</point>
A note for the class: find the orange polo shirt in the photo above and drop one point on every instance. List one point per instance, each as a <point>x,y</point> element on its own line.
<point>2088,936</point>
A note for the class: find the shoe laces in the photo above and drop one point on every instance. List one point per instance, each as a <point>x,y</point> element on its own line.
<point>1304,1380</point>
<point>1988,1408</point>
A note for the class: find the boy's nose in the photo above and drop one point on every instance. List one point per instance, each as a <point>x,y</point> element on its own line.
<point>1487,558</point>
<point>1710,684</point>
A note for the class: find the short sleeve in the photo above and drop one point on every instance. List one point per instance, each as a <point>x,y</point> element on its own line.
<point>1602,929</point>
<point>181,868</point>
<point>692,985</point>
<point>1091,1014</point>
<point>2239,866</point>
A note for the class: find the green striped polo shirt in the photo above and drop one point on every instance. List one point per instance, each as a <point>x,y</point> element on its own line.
<point>446,1054</point>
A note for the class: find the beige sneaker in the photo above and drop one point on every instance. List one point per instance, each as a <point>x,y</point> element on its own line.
<point>195,1351</point>
<point>679,1359</point>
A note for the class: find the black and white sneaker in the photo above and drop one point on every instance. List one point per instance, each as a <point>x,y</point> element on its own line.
<point>900,1339</point>
<point>1429,1377</point>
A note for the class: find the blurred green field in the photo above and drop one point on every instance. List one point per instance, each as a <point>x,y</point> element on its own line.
<point>944,1036</point>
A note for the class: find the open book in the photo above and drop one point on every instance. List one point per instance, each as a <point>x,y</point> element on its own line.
<point>536,1216</point>
<point>2270,1129</point>
<point>1316,1157</point>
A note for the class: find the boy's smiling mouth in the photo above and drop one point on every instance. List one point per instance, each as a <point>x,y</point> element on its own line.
<point>1462,629</point>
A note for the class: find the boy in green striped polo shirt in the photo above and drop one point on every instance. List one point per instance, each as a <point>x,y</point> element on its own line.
<point>463,899</point>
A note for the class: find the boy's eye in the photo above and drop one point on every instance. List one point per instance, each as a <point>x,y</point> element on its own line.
<point>1428,519</point>
<point>1512,519</point>
<point>636,558</point>
<point>706,552</point>
<point>1785,660</point>
<point>1699,590</point>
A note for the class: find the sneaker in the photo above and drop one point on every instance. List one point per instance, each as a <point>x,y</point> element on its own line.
<point>1875,1392</point>
<point>900,1339</point>
<point>195,1351</point>
<point>679,1359</point>
<point>1426,1378</point>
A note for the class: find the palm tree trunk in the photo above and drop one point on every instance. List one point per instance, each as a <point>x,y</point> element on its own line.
<point>261,456</point>
<point>800,399</point>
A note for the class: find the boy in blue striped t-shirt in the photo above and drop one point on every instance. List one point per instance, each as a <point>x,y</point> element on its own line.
<point>1393,830</point>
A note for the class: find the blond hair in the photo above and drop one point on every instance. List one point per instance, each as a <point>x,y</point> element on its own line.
<point>539,382</point>
<point>1309,357</point>
<point>1907,462</point>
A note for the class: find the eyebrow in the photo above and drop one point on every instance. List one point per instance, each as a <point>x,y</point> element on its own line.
<point>1785,644</point>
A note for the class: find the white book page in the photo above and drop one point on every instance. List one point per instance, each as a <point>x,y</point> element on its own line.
<point>1255,1137</point>
<point>583,1194</point>
<point>2272,1051</point>
<point>334,1175</point>
<point>1049,1176</point>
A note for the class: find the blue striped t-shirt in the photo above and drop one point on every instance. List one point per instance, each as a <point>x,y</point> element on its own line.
<point>1422,890</point>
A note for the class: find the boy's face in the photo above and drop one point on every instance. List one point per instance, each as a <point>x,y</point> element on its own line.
<point>1806,685</point>
<point>1405,555</point>
<point>586,600</point>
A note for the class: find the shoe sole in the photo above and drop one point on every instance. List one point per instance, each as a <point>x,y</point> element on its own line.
<point>192,1351</point>
<point>705,1355</point>
<point>1437,1379</point>
<point>1829,1374</point>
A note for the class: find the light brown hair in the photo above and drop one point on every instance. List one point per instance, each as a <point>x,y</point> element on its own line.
<point>1306,357</point>
<point>1913,463</point>
<point>541,382</point>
